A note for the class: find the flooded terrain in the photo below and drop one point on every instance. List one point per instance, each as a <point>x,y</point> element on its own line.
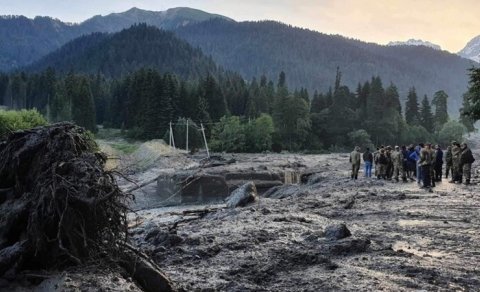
<point>328,233</point>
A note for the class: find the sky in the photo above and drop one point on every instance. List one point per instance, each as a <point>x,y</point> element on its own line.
<point>448,23</point>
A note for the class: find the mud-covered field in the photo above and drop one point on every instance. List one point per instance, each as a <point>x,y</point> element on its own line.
<point>328,233</point>
<point>398,237</point>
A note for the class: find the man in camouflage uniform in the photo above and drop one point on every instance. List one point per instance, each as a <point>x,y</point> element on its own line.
<point>382,164</point>
<point>355,161</point>
<point>448,162</point>
<point>456,153</point>
<point>466,160</point>
<point>425,163</point>
<point>375,160</point>
<point>389,167</point>
<point>397,160</point>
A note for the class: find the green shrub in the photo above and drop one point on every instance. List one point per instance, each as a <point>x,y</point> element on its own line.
<point>452,130</point>
<point>259,134</point>
<point>11,121</point>
<point>228,135</point>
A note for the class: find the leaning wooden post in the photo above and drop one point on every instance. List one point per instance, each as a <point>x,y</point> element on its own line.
<point>186,147</point>
<point>205,140</point>
<point>172,137</point>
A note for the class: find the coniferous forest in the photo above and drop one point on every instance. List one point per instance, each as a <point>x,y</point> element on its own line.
<point>142,79</point>
<point>238,115</point>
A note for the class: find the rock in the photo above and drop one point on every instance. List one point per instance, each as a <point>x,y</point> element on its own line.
<point>282,192</point>
<point>167,239</point>
<point>266,211</point>
<point>357,245</point>
<point>152,233</point>
<point>349,203</point>
<point>243,196</point>
<point>338,231</point>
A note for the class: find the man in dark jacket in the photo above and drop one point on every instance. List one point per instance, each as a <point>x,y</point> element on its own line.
<point>368,159</point>
<point>449,162</point>
<point>438,163</point>
<point>466,160</point>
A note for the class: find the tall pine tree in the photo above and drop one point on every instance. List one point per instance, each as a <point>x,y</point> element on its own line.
<point>426,115</point>
<point>412,116</point>
<point>441,110</point>
<point>83,107</point>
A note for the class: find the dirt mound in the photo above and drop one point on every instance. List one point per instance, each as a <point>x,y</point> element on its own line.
<point>149,152</point>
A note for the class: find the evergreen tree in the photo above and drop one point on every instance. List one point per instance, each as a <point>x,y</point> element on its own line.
<point>465,118</point>
<point>412,116</point>
<point>83,107</point>
<point>318,103</point>
<point>392,98</point>
<point>426,115</point>
<point>441,109</point>
<point>282,80</point>
<point>214,97</point>
<point>473,96</point>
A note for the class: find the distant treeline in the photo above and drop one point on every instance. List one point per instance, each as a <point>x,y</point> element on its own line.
<point>143,103</point>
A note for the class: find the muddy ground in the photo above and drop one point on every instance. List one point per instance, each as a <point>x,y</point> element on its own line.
<point>399,237</point>
<point>328,234</point>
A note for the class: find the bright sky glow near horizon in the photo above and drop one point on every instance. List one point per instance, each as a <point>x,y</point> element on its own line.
<point>450,24</point>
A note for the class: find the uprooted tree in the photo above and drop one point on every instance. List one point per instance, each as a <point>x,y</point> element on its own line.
<point>59,207</point>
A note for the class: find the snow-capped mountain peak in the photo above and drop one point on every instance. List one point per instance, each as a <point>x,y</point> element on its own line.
<point>414,42</point>
<point>472,50</point>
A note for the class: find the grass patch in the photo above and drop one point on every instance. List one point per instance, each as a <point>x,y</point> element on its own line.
<point>125,148</point>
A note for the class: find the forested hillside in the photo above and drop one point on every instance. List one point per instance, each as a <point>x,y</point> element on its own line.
<point>310,58</point>
<point>24,40</point>
<point>115,55</point>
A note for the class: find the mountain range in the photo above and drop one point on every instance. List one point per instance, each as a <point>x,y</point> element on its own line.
<point>414,42</point>
<point>118,54</point>
<point>472,50</point>
<point>309,58</point>
<point>24,40</point>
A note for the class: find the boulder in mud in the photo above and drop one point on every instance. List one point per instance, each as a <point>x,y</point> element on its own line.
<point>243,196</point>
<point>337,231</point>
<point>282,192</point>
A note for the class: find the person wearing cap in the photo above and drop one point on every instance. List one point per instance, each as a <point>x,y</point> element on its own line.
<point>466,160</point>
<point>457,172</point>
<point>448,162</point>
<point>355,161</point>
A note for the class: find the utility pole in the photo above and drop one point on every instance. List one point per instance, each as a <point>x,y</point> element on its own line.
<point>205,140</point>
<point>186,143</point>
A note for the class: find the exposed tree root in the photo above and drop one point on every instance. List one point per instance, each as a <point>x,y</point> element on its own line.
<point>58,206</point>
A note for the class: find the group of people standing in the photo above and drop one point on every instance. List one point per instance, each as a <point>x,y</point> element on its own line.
<point>422,162</point>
